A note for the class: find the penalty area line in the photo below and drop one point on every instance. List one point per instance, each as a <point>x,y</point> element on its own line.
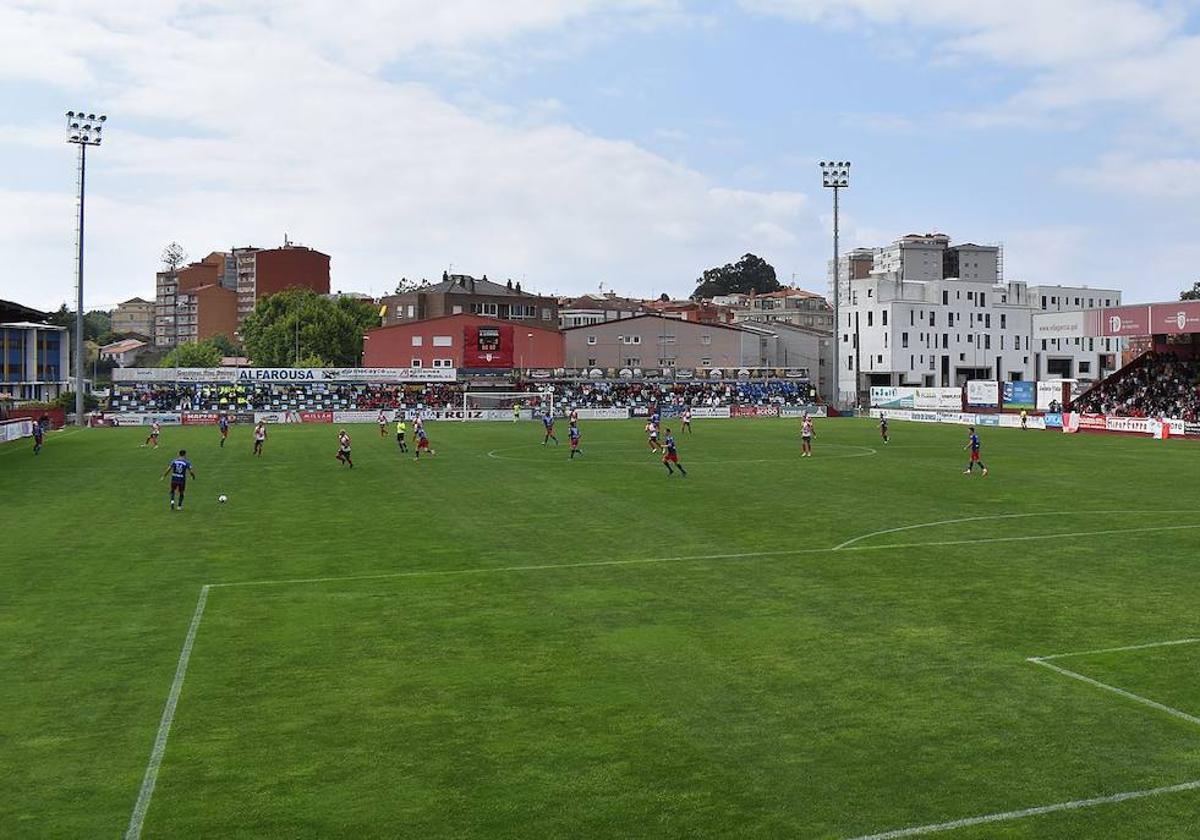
<point>146,793</point>
<point>1003,816</point>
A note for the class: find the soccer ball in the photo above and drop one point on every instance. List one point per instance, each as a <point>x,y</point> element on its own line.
<point>222,498</point>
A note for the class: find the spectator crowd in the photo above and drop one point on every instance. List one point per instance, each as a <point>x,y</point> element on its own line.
<point>362,397</point>
<point>1161,385</point>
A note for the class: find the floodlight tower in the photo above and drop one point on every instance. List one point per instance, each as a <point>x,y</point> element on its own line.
<point>835,175</point>
<point>83,130</point>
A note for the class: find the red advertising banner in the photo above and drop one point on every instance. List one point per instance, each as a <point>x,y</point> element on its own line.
<point>754,411</point>
<point>316,416</point>
<point>1175,318</point>
<point>1125,320</point>
<point>487,346</point>
<point>200,418</point>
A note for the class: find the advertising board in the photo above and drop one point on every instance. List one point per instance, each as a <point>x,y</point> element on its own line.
<point>984,420</point>
<point>276,417</point>
<point>1125,320</point>
<point>1191,429</point>
<point>1048,392</point>
<point>938,399</point>
<point>200,418</point>
<point>15,429</point>
<point>267,375</point>
<point>1020,394</point>
<point>983,393</point>
<point>1175,318</point>
<point>607,413</point>
<point>1051,325</point>
<point>315,416</point>
<point>1131,425</point>
<point>754,411</point>
<point>357,417</point>
<point>711,412</point>
<point>891,397</point>
<point>926,416</point>
<point>801,410</point>
<point>1053,419</point>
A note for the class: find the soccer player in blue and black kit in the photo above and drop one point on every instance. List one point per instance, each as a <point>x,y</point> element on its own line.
<point>179,469</point>
<point>973,445</point>
<point>548,422</point>
<point>223,423</point>
<point>39,434</point>
<point>671,456</point>
<point>573,433</point>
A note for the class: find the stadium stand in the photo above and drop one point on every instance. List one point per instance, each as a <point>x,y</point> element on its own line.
<point>1154,385</point>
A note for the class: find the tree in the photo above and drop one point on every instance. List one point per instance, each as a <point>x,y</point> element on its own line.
<point>749,274</point>
<point>201,354</point>
<point>96,324</point>
<point>405,286</point>
<point>299,324</point>
<point>172,257</point>
<point>225,345</point>
<point>1192,293</point>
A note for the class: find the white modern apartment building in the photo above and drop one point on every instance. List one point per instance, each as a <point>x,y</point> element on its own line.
<point>927,313</point>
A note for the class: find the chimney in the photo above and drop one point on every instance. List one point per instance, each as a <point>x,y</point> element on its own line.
<point>518,286</point>
<point>510,284</point>
<point>445,276</point>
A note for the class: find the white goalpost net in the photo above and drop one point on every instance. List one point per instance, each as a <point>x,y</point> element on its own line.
<point>523,405</point>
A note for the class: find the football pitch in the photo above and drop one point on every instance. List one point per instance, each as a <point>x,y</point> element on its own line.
<point>499,642</point>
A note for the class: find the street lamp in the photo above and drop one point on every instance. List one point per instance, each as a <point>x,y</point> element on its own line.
<point>835,175</point>
<point>83,130</point>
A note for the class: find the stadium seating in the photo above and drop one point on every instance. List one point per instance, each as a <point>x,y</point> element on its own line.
<point>1155,385</point>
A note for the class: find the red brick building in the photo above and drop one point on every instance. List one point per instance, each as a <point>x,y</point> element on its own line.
<point>469,342</point>
<point>271,270</point>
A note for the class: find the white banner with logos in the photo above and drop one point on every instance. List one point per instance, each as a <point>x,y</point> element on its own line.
<point>1048,392</point>
<point>888,397</point>
<point>801,410</point>
<point>704,412</point>
<point>939,399</point>
<point>983,392</point>
<point>1135,425</point>
<point>607,413</point>
<point>289,375</point>
<point>276,417</point>
<point>14,429</point>
<point>360,416</point>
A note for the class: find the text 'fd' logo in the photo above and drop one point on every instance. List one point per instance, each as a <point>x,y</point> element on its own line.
<point>1114,323</point>
<point>1181,319</point>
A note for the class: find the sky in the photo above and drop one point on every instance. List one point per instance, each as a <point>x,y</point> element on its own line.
<point>579,145</point>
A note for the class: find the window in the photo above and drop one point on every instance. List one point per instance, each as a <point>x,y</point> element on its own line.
<point>970,296</point>
<point>633,361</point>
<point>958,294</point>
<point>912,318</point>
<point>417,341</point>
<point>1043,301</point>
<point>706,339</point>
<point>443,363</point>
<point>870,318</point>
<point>416,363</point>
<point>591,340</point>
<point>1003,321</point>
<point>884,314</point>
<point>950,320</point>
<point>945,301</point>
<point>545,314</point>
<point>987,341</point>
<point>484,309</point>
<point>1091,345</point>
<point>945,340</point>
<point>932,318</point>
<point>903,339</point>
<point>880,357</point>
<point>457,310</point>
<point>443,341</point>
<point>982,298</point>
<point>970,338</point>
<point>1002,341</point>
<point>412,311</point>
<point>667,361</point>
<point>666,339</point>
<point>962,357</point>
<point>987,322</point>
<point>1085,367</point>
<point>1043,345</point>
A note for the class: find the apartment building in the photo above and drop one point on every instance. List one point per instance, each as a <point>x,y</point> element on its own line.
<point>460,294</point>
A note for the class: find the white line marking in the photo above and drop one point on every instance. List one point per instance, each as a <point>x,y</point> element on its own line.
<point>998,516</point>
<point>1025,538</point>
<point>59,435</point>
<point>864,452</point>
<point>1115,649</point>
<point>1029,812</point>
<point>134,831</point>
<point>678,559</point>
<point>1128,695</point>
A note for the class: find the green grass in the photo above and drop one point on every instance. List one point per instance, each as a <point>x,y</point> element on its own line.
<point>526,672</point>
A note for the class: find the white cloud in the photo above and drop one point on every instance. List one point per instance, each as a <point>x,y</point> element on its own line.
<point>276,123</point>
<point>1155,178</point>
